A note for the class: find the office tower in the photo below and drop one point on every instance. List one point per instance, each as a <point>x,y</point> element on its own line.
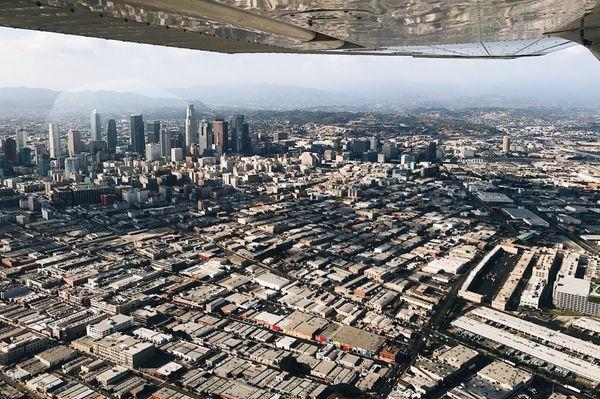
<point>220,135</point>
<point>246,142</point>
<point>206,137</point>
<point>165,143</point>
<point>177,138</point>
<point>153,152</point>
<point>25,156</point>
<point>374,143</point>
<point>280,136</point>
<point>390,151</point>
<point>71,166</point>
<point>74,144</point>
<point>9,147</point>
<point>43,163</point>
<point>39,149</point>
<point>137,134</point>
<point>96,131</point>
<point>239,134</point>
<point>21,139</point>
<point>153,131</point>
<point>506,144</point>
<point>191,128</point>
<point>111,136</point>
<point>96,146</point>
<point>360,146</point>
<point>236,123</point>
<point>176,154</point>
<point>406,159</point>
<point>54,141</point>
<point>431,151</point>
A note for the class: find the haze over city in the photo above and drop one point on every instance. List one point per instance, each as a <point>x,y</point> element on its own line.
<point>61,62</point>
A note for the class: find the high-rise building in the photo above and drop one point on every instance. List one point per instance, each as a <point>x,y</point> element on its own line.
<point>191,128</point>
<point>374,143</point>
<point>205,141</point>
<point>176,154</point>
<point>9,147</point>
<point>153,152</point>
<point>177,138</point>
<point>165,143</point>
<point>54,141</point>
<point>236,128</point>
<point>221,135</point>
<point>111,135</point>
<point>506,144</point>
<point>21,139</point>
<point>137,134</point>
<point>360,146</point>
<point>96,131</point>
<point>43,163</point>
<point>246,141</point>
<point>74,144</point>
<point>71,166</point>
<point>24,156</point>
<point>153,131</point>
<point>390,151</point>
<point>431,151</point>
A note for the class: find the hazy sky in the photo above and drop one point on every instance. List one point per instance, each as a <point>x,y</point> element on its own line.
<point>56,61</point>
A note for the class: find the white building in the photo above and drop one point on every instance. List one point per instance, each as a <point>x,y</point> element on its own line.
<point>95,128</point>
<point>191,128</point>
<point>271,280</point>
<point>578,293</point>
<point>54,140</point>
<point>21,139</point>
<point>153,152</point>
<point>176,154</point>
<point>108,326</point>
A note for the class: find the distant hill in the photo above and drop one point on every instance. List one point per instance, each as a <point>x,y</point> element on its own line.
<point>23,99</point>
<point>265,96</point>
<point>246,97</point>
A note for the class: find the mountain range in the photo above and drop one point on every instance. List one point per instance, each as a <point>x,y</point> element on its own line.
<point>247,96</point>
<point>24,100</point>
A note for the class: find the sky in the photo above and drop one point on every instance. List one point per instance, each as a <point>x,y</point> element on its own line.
<point>62,62</point>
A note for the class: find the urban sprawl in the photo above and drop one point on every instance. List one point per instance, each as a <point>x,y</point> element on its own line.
<point>424,254</point>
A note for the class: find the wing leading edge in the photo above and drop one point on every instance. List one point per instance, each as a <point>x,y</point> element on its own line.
<point>444,29</point>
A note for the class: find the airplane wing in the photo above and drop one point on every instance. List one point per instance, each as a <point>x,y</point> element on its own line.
<point>418,28</point>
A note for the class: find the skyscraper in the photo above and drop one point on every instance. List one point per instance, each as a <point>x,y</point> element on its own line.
<point>236,128</point>
<point>191,128</point>
<point>111,135</point>
<point>9,147</point>
<point>54,141</point>
<point>506,144</point>
<point>153,152</point>
<point>43,164</point>
<point>74,144</point>
<point>71,166</point>
<point>21,139</point>
<point>153,131</point>
<point>390,151</point>
<point>206,137</point>
<point>246,142</point>
<point>431,151</point>
<point>374,143</point>
<point>165,143</point>
<point>96,131</point>
<point>221,136</point>
<point>24,156</point>
<point>137,134</point>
